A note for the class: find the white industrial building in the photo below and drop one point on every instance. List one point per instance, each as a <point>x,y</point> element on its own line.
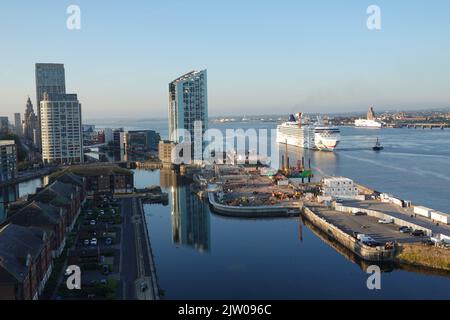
<point>339,187</point>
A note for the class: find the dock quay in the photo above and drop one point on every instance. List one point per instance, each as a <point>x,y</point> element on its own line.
<point>275,211</point>
<point>373,226</point>
<point>151,165</point>
<point>385,266</point>
<point>337,227</point>
<point>245,192</point>
<point>139,277</point>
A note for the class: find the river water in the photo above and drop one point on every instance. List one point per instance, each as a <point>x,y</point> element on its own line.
<point>200,255</point>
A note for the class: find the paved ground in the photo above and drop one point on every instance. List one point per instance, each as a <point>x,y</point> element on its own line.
<point>400,213</point>
<point>128,268</point>
<point>367,225</point>
<point>136,281</point>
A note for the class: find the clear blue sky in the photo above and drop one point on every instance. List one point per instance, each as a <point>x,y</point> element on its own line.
<point>261,56</point>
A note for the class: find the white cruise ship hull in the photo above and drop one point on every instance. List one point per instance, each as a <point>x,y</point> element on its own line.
<point>364,123</point>
<point>326,144</point>
<point>323,139</point>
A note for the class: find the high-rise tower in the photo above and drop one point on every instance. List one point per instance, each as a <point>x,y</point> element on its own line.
<point>188,107</point>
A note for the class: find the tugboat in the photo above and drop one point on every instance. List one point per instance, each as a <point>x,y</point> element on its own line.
<point>378,146</point>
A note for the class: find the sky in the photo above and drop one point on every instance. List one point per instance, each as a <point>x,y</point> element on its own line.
<point>262,57</point>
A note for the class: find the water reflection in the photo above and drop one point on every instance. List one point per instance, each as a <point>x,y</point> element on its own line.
<point>190,216</point>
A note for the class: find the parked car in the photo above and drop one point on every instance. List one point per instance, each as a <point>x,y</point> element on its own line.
<point>108,241</point>
<point>86,242</point>
<point>372,243</point>
<point>428,242</point>
<point>418,233</point>
<point>105,269</point>
<point>93,222</point>
<point>93,241</point>
<point>360,213</point>
<point>386,221</point>
<point>104,282</point>
<point>405,229</point>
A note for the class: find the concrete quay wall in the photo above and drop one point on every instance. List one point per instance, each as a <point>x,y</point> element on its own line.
<point>361,250</point>
<point>254,212</point>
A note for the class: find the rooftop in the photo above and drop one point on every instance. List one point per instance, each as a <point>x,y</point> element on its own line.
<point>93,170</point>
<point>16,243</point>
<point>187,76</point>
<point>7,142</point>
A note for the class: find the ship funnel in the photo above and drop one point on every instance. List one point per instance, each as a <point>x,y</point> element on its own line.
<point>291,118</point>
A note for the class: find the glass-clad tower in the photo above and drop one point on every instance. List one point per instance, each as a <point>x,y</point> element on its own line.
<point>188,104</point>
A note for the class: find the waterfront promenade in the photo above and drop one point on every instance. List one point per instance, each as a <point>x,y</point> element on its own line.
<point>138,272</point>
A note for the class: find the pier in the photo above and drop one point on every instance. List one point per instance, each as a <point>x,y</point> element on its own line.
<point>342,229</point>
<point>441,126</point>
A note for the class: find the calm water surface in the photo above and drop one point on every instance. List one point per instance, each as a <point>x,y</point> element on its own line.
<point>200,255</point>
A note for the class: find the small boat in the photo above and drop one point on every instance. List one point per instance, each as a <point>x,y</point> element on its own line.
<point>378,146</point>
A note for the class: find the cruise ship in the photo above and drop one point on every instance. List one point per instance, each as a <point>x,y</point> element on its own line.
<point>299,133</point>
<point>366,123</point>
<point>327,138</point>
<point>370,122</point>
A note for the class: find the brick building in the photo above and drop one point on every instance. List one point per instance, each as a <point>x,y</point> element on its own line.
<point>25,262</point>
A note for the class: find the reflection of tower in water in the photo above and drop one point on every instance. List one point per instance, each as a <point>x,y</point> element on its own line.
<point>190,215</point>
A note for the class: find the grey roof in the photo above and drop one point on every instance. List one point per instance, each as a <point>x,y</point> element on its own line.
<point>70,178</point>
<point>62,188</point>
<point>16,243</point>
<point>37,214</point>
<point>55,192</point>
